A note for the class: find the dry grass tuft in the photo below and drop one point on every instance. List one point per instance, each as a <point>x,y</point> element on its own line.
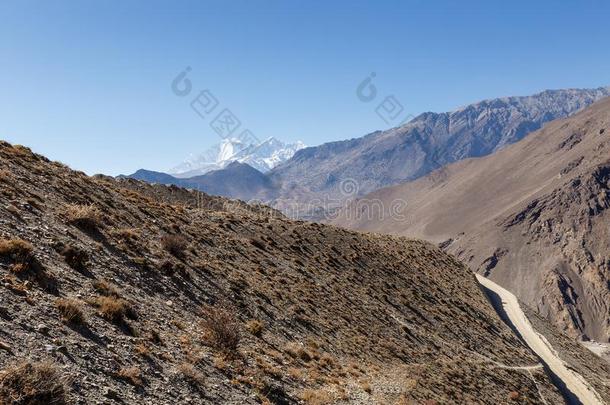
<point>316,397</point>
<point>366,387</point>
<point>127,234</point>
<point>106,289</point>
<point>33,384</point>
<point>191,374</point>
<point>71,311</point>
<point>25,265</point>
<point>132,375</point>
<point>175,245</point>
<point>255,327</point>
<point>295,373</point>
<point>297,350</point>
<point>113,309</point>
<point>12,283</point>
<point>220,329</point>
<point>17,250</point>
<point>5,175</point>
<point>86,217</point>
<point>142,350</point>
<point>20,150</point>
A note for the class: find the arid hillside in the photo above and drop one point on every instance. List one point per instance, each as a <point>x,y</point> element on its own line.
<point>118,291</point>
<point>533,217</point>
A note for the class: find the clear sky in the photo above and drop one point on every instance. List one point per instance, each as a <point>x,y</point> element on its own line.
<point>89,82</point>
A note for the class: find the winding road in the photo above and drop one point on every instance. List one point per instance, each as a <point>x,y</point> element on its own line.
<point>509,309</point>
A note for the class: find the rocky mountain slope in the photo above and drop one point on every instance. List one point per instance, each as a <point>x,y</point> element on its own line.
<point>533,217</point>
<point>118,291</point>
<point>426,143</point>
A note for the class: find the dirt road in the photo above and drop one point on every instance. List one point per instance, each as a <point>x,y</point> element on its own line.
<point>509,308</point>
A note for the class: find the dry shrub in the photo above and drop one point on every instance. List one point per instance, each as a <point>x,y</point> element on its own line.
<point>326,360</point>
<point>113,309</point>
<point>132,375</point>
<point>5,175</point>
<point>16,250</point>
<point>220,329</point>
<point>316,397</point>
<point>155,337</point>
<point>142,350</point>
<point>174,244</point>
<point>25,265</point>
<point>168,267</point>
<point>75,257</point>
<point>33,384</point>
<point>12,283</point>
<point>127,234</point>
<point>20,150</point>
<point>366,386</point>
<point>86,217</point>
<point>178,324</point>
<point>255,327</point>
<point>295,373</point>
<point>191,374</point>
<point>20,269</point>
<point>220,363</point>
<point>70,311</point>
<point>298,351</point>
<point>106,289</point>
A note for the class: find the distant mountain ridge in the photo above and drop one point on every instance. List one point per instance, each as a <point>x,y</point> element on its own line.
<point>309,185</point>
<point>263,156</point>
<point>533,217</point>
<point>428,142</point>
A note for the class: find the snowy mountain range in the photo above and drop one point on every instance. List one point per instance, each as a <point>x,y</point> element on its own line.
<point>263,156</point>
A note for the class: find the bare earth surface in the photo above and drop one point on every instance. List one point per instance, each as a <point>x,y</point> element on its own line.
<point>574,382</point>
<point>595,370</point>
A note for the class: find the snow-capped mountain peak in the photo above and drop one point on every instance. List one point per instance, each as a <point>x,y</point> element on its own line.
<point>263,156</point>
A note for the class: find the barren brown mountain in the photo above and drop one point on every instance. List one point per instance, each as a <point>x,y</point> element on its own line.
<point>533,217</point>
<point>119,291</point>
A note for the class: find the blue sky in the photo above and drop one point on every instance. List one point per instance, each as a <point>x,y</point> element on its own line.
<point>89,83</point>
